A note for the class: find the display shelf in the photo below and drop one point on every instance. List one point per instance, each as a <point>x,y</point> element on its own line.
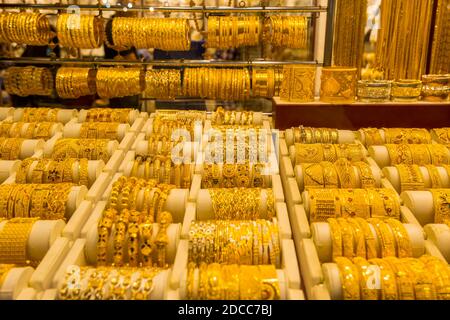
<point>360,115</point>
<point>196,9</point>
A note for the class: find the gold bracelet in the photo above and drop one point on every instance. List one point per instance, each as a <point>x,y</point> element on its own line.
<point>347,238</point>
<point>349,278</point>
<point>403,242</point>
<point>324,204</point>
<point>441,204</point>
<point>346,173</point>
<point>387,278</point>
<point>366,274</point>
<point>385,236</point>
<point>435,176</point>
<point>312,175</point>
<point>336,237</point>
<point>404,279</point>
<point>365,175</point>
<point>410,177</point>
<point>358,237</point>
<point>14,241</point>
<point>439,154</point>
<point>439,271</point>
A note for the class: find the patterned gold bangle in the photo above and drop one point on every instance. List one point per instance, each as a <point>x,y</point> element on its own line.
<point>405,282</point>
<point>22,173</point>
<point>404,248</point>
<point>336,238</point>
<point>346,173</point>
<point>439,153</point>
<point>370,241</point>
<point>439,271</point>
<point>324,204</point>
<point>312,175</point>
<point>351,152</point>
<point>372,137</point>
<point>14,240</point>
<point>330,176</point>
<point>387,278</point>
<point>410,177</point>
<point>366,274</point>
<point>251,288</point>
<point>308,153</point>
<point>354,202</point>
<point>385,237</point>
<point>358,238</point>
<point>349,278</point>
<point>269,281</point>
<point>421,154</point>
<point>347,238</point>
<point>365,175</point>
<point>399,154</point>
<point>435,176</point>
<point>441,204</point>
<point>424,287</point>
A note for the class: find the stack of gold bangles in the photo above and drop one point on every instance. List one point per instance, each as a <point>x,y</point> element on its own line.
<point>308,135</point>
<point>163,83</point>
<point>232,282</point>
<point>108,283</point>
<point>99,130</point>
<point>242,203</point>
<point>425,278</point>
<point>351,203</point>
<point>92,149</point>
<point>80,31</point>
<point>40,114</point>
<point>411,177</point>
<point>108,115</point>
<point>26,130</point>
<point>52,171</point>
<point>353,237</point>
<point>408,135</point>
<point>314,153</point>
<point>10,148</point>
<point>118,82</point>
<point>217,83</point>
<point>14,243</point>
<point>46,201</point>
<point>133,238</point>
<point>170,34</point>
<point>420,154</point>
<point>24,27</point>
<point>26,81</point>
<point>266,82</point>
<point>287,31</point>
<point>231,175</point>
<point>233,31</point>
<point>222,117</point>
<point>72,83</point>
<point>162,169</point>
<point>235,242</point>
<point>341,174</point>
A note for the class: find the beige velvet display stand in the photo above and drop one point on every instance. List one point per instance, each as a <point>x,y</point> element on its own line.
<point>8,168</point>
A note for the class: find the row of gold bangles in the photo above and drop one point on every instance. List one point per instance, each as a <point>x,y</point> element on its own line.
<point>340,174</point>
<point>163,83</point>
<point>46,201</point>
<point>10,148</point>
<point>242,203</point>
<point>75,82</point>
<point>217,83</point>
<point>91,149</point>
<point>25,28</point>
<point>133,224</point>
<point>235,242</point>
<point>266,82</point>
<point>99,130</point>
<point>113,82</point>
<point>36,170</point>
<point>373,136</point>
<point>14,237</point>
<point>286,31</point>
<point>80,31</point>
<point>308,135</point>
<point>314,153</point>
<point>411,176</point>
<point>353,237</point>
<point>108,283</point>
<point>225,32</point>
<point>27,130</point>
<point>26,81</point>
<point>120,115</point>
<point>40,114</point>
<point>442,135</point>
<point>391,278</point>
<point>163,128</point>
<point>230,175</point>
<point>420,154</point>
<point>228,117</point>
<point>441,205</point>
<point>232,282</point>
<point>162,169</point>
<point>350,203</point>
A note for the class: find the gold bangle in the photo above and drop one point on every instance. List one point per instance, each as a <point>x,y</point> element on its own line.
<point>366,274</point>
<point>435,176</point>
<point>349,278</point>
<point>347,238</point>
<point>324,204</point>
<point>336,237</point>
<point>346,173</point>
<point>421,154</point>
<point>365,175</point>
<point>385,236</point>
<point>330,176</point>
<point>358,237</point>
<point>402,240</point>
<point>441,203</point>
<point>405,282</point>
<point>312,175</point>
<point>424,287</point>
<point>354,202</point>
<point>439,271</point>
<point>387,278</point>
<point>410,177</point>
<point>14,241</point>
